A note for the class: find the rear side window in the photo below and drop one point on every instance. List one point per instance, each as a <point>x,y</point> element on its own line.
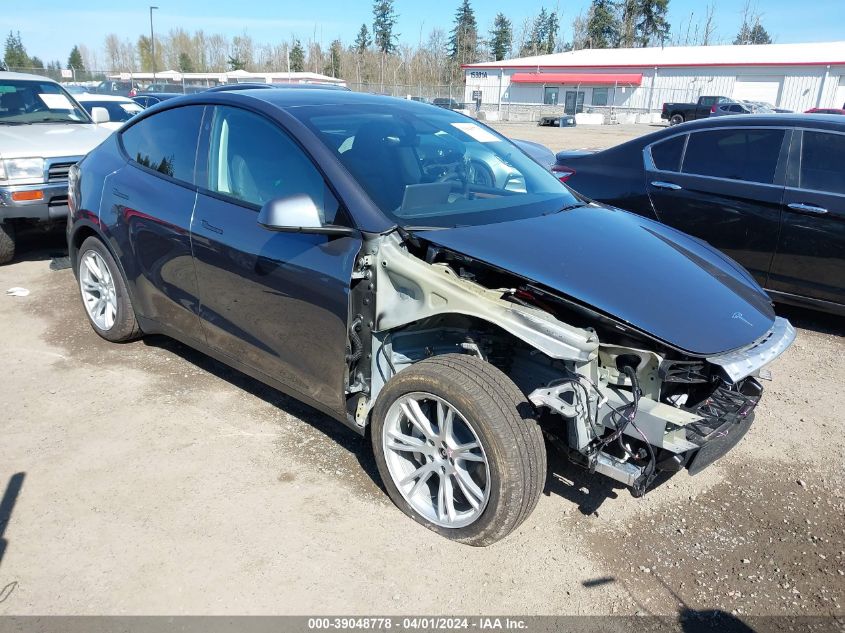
<point>667,154</point>
<point>740,154</point>
<point>166,142</point>
<point>823,162</point>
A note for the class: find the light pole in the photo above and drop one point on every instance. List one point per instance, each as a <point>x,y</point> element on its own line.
<point>153,43</point>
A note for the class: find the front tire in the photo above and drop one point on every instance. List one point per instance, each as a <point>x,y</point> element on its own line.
<point>7,242</point>
<point>104,295</point>
<point>458,449</point>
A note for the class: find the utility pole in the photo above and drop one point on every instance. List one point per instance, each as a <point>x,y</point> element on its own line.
<point>153,43</point>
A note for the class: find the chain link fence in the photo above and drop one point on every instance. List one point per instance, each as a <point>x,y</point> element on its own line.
<point>629,105</point>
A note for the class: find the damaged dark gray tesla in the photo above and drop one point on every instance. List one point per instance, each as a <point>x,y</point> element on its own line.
<point>418,277</point>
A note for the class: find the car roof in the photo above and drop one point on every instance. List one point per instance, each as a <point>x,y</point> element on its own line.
<point>87,96</point>
<point>786,119</point>
<point>24,77</point>
<point>291,99</point>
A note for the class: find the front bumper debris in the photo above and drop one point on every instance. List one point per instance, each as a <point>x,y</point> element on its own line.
<point>750,359</point>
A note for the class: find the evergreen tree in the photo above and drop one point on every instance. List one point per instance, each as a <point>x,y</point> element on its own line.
<point>15,54</point>
<point>384,19</point>
<point>235,63</point>
<point>501,37</point>
<point>552,28</point>
<point>186,65</point>
<point>759,35</point>
<point>74,60</point>
<point>630,15</point>
<point>297,57</point>
<point>653,27</point>
<point>463,43</point>
<point>752,34</point>
<point>543,35</point>
<point>36,62</point>
<point>362,41</point>
<point>332,67</point>
<point>602,25</point>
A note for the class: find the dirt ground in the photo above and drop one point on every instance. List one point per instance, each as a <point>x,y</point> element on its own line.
<point>147,478</point>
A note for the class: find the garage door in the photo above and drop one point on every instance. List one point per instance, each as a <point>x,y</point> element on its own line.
<point>757,88</point>
<point>839,100</point>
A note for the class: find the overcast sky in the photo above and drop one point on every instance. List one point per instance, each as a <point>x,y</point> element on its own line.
<point>50,28</point>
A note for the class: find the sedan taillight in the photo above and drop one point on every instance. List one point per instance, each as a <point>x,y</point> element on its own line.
<point>712,108</point>
<point>563,172</point>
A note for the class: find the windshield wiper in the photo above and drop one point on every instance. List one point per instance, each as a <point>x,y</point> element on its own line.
<point>15,122</point>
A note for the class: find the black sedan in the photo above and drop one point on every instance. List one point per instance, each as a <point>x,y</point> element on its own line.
<point>349,250</point>
<point>768,190</point>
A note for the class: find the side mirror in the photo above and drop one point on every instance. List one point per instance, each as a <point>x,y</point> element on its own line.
<point>297,214</point>
<point>99,115</point>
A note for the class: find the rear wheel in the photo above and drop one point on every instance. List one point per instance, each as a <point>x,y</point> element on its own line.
<point>7,242</point>
<point>104,294</point>
<point>676,119</point>
<point>458,449</point>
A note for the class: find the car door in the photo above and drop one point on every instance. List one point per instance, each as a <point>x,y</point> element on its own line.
<point>150,202</point>
<point>727,189</point>
<point>810,259</point>
<point>277,302</point>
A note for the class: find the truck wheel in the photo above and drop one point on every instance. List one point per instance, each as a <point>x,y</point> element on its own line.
<point>7,242</point>
<point>458,449</point>
<point>676,118</point>
<point>104,293</point>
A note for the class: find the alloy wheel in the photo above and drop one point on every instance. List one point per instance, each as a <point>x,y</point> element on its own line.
<point>436,460</point>
<point>98,290</point>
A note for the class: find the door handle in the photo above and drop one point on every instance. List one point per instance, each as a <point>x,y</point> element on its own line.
<point>212,228</point>
<point>807,208</point>
<point>665,185</point>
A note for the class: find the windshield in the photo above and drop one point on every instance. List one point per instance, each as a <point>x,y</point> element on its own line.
<point>30,101</point>
<point>119,111</point>
<point>428,167</point>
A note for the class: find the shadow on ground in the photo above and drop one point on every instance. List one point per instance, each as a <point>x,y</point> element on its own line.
<point>7,504</point>
<point>353,443</point>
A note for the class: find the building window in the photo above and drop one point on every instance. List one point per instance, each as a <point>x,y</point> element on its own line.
<point>600,96</point>
<point>550,96</point>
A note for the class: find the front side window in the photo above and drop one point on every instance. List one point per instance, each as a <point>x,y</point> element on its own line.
<point>23,102</point>
<point>600,96</point>
<point>253,160</point>
<point>424,166</point>
<point>166,142</point>
<point>823,162</point>
<point>746,154</point>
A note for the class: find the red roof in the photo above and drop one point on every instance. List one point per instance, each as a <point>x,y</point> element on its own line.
<point>623,79</point>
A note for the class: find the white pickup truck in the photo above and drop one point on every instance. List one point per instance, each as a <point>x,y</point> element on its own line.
<point>43,131</point>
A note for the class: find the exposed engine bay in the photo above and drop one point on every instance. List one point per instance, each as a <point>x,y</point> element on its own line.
<point>614,399</point>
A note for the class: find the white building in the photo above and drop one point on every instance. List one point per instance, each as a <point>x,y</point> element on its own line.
<point>792,76</point>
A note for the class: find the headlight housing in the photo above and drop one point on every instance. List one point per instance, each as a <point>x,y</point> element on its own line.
<point>22,169</point>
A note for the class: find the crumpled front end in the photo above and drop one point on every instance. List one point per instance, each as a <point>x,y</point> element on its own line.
<point>635,413</point>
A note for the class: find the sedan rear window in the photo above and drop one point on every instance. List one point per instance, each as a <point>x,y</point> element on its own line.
<point>166,142</point>
<point>738,154</point>
<point>667,154</point>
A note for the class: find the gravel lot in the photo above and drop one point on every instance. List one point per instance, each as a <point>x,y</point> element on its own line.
<point>155,480</point>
